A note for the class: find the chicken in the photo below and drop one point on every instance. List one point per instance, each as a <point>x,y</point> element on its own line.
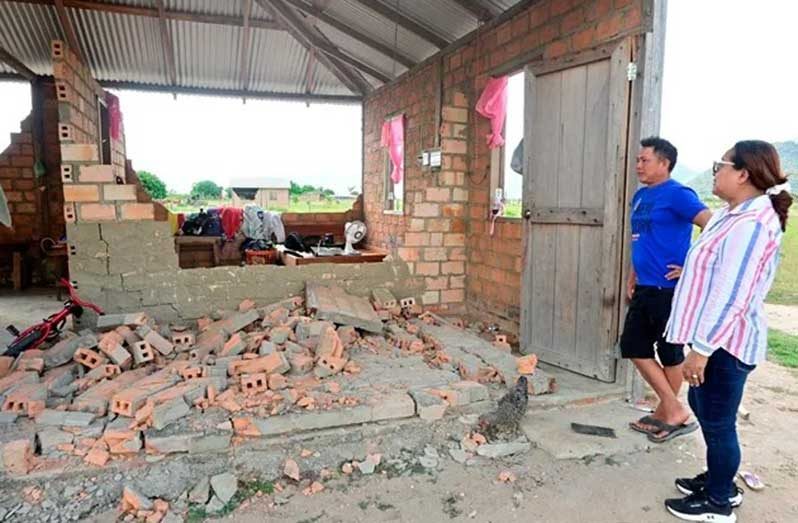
<point>508,413</point>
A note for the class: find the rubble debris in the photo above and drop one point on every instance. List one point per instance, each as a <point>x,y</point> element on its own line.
<point>334,304</point>
<point>224,486</point>
<point>508,413</point>
<point>501,450</point>
<point>505,476</point>
<point>291,469</point>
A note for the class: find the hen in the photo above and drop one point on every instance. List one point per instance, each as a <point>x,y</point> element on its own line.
<point>508,413</point>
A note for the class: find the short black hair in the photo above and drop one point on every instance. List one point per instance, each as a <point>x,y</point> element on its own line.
<point>662,148</point>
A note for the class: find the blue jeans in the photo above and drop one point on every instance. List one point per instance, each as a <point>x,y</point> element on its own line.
<point>715,405</point>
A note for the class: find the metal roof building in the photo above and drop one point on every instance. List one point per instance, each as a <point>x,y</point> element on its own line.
<point>333,50</point>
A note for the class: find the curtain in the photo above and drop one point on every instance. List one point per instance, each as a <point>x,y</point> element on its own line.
<point>393,137</point>
<point>492,104</point>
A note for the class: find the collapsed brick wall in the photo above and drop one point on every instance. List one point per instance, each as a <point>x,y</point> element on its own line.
<point>541,30</point>
<point>19,184</point>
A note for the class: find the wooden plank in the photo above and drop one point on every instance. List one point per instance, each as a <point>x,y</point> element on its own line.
<point>408,23</point>
<point>591,266</point>
<point>16,65</point>
<point>370,256</point>
<point>353,33</point>
<point>166,44</point>
<point>567,216</point>
<point>69,29</point>
<point>540,66</point>
<point>149,12</point>
<point>527,199</point>
<point>569,178</point>
<point>617,134</point>
<point>243,65</point>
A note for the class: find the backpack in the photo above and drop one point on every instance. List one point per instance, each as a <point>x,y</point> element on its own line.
<point>196,223</point>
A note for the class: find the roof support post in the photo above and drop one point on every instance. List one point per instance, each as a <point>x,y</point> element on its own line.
<point>166,45</point>
<point>16,65</point>
<point>69,29</point>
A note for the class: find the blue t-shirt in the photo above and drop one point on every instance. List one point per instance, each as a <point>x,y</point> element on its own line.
<point>662,224</point>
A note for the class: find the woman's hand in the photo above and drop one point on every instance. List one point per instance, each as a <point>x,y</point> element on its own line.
<point>693,368</point>
<point>674,273</point>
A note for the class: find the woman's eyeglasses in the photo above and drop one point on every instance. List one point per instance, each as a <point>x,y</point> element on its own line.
<point>718,165</point>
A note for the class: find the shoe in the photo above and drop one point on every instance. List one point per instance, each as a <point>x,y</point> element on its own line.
<point>691,485</point>
<point>698,507</point>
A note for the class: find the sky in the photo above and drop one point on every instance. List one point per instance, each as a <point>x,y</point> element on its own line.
<point>729,74</point>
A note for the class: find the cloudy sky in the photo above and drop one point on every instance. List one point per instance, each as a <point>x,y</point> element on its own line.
<point>729,74</point>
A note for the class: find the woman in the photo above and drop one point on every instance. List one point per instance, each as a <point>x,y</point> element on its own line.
<point>718,311</point>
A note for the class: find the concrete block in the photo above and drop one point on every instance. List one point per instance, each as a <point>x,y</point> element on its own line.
<point>209,443</point>
<point>63,351</point>
<point>309,329</point>
<point>224,486</point>
<point>169,412</point>
<point>384,298</point>
<point>63,418</point>
<point>117,354</point>
<point>112,321</point>
<point>266,348</point>
<point>167,444</point>
<point>49,439</point>
<point>393,406</point>
<point>334,304</point>
<point>428,406</point>
<point>471,391</point>
<point>155,340</point>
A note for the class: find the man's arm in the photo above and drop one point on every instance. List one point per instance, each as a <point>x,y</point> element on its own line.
<point>630,283</point>
<point>702,218</point>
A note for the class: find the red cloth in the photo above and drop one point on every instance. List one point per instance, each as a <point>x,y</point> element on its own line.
<point>114,116</point>
<point>231,218</point>
<point>492,104</point>
<point>393,137</point>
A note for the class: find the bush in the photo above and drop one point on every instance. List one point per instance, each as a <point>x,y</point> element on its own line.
<point>206,189</point>
<point>153,185</point>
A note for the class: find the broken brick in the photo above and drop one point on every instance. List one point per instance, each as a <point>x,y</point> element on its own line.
<point>234,346</point>
<point>291,469</point>
<point>17,456</point>
<point>128,401</point>
<point>133,500</point>
<point>116,353</point>
<point>192,373</point>
<point>27,399</point>
<point>254,383</point>
<point>277,382</point>
<point>97,456</point>
<point>246,305</point>
<point>127,334</point>
<point>142,352</point>
<point>89,358</point>
<point>182,340</point>
<point>273,363</point>
<point>246,427</point>
<point>155,340</point>
<point>527,364</point>
<point>112,321</point>
<point>5,365</point>
<point>31,364</point>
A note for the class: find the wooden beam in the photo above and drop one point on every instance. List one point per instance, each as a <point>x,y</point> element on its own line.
<point>364,39</point>
<point>69,29</point>
<point>310,72</point>
<point>166,44</point>
<point>479,11</point>
<point>16,65</point>
<point>305,35</point>
<point>231,93</point>
<point>408,23</point>
<point>245,43</point>
<point>93,5</point>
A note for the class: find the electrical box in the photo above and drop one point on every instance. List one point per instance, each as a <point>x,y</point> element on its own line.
<point>430,158</point>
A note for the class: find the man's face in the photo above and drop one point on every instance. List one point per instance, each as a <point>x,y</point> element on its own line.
<point>650,167</point>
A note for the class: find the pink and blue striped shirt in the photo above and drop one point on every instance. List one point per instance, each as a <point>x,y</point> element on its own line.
<point>719,300</point>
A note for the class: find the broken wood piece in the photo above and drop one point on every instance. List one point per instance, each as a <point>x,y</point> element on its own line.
<point>593,430</point>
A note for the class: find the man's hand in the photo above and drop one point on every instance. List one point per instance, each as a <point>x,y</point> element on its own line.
<point>674,273</point>
<point>693,368</point>
<point>630,286</point>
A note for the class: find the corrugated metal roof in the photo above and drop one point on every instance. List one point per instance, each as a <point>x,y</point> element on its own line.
<point>127,49</point>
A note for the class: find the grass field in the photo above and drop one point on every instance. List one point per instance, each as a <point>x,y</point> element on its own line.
<point>785,288</point>
<point>783,348</point>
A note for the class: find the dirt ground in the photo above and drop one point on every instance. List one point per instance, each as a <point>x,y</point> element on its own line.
<point>621,487</point>
<point>624,487</point>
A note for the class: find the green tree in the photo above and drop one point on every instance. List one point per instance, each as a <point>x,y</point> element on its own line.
<point>206,189</point>
<point>152,184</point>
<point>228,193</point>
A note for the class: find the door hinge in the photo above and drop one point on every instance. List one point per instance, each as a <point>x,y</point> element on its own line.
<point>631,71</point>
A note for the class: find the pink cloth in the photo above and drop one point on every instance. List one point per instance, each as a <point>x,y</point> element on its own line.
<point>114,116</point>
<point>492,104</point>
<point>393,137</point>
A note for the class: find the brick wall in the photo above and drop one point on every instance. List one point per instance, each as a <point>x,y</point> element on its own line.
<point>444,205</point>
<point>19,184</point>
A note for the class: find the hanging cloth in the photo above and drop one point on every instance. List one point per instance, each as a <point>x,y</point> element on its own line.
<point>393,137</point>
<point>114,116</point>
<point>492,104</point>
<point>231,218</point>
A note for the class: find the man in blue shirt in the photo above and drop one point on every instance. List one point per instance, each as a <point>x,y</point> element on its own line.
<point>663,214</point>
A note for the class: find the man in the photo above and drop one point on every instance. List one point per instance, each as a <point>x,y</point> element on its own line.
<point>663,214</point>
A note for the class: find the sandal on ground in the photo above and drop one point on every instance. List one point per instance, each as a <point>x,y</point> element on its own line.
<point>651,421</point>
<point>672,431</point>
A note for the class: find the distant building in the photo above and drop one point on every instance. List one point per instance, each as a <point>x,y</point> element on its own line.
<point>311,196</point>
<point>265,192</point>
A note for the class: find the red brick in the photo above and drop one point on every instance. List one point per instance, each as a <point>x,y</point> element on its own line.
<point>572,21</point>
<point>599,9</point>
<point>583,39</point>
<point>428,269</point>
<point>112,192</point>
<point>81,193</point>
<point>457,267</point>
<point>17,456</point>
<point>538,14</point>
<point>416,239</point>
<point>435,194</point>
<point>556,49</point>
<point>97,212</point>
<point>79,152</point>
<point>96,174</point>
<point>138,211</point>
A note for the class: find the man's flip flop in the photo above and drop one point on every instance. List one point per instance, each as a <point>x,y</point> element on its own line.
<point>672,431</point>
<point>647,420</point>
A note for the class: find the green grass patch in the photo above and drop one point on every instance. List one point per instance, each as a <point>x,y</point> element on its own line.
<point>783,348</point>
<point>246,489</point>
<point>785,287</point>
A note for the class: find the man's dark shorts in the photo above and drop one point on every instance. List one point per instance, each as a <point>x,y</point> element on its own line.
<point>645,324</point>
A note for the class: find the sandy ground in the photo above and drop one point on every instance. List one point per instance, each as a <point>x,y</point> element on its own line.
<point>627,486</point>
<point>622,487</point>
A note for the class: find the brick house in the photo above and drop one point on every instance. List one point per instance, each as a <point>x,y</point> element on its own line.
<point>268,193</point>
<point>552,277</point>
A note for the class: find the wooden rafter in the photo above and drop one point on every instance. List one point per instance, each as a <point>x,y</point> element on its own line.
<point>166,43</point>
<point>93,5</point>
<point>480,12</point>
<point>69,29</point>
<point>364,39</point>
<point>310,72</point>
<point>305,35</point>
<point>245,46</point>
<point>408,23</point>
<point>16,65</point>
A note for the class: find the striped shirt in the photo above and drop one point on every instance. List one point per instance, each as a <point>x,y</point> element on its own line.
<point>719,300</point>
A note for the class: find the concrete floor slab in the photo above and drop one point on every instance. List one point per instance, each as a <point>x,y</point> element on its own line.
<point>551,431</point>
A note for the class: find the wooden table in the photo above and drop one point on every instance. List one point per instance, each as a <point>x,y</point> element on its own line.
<point>365,256</point>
